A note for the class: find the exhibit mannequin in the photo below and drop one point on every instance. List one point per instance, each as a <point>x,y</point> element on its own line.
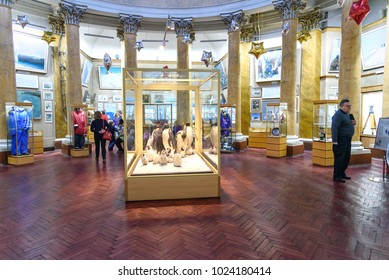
<point>79,121</point>
<point>225,123</point>
<point>19,125</point>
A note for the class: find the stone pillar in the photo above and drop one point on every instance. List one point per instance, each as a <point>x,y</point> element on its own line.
<point>7,65</point>
<point>233,22</point>
<point>311,41</point>
<point>71,13</point>
<point>385,107</point>
<point>350,65</point>
<point>130,25</point>
<point>183,28</point>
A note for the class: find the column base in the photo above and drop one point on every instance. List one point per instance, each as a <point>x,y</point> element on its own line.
<point>359,155</point>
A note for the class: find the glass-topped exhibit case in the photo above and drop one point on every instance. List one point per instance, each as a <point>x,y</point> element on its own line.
<point>276,116</point>
<point>167,155</point>
<point>323,110</point>
<point>20,140</point>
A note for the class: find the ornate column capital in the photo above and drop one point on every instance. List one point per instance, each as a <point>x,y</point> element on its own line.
<point>57,24</point>
<point>311,20</point>
<point>71,12</point>
<point>233,20</point>
<point>7,3</point>
<point>120,33</point>
<point>183,25</point>
<point>130,23</point>
<point>247,30</point>
<point>289,8</point>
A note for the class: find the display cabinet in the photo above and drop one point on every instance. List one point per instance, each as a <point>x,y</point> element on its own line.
<point>36,140</point>
<point>323,110</point>
<point>79,131</point>
<point>276,123</point>
<point>172,160</point>
<point>20,140</point>
<point>227,128</point>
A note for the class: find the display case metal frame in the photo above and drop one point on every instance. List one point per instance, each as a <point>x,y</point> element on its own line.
<point>169,185</point>
<point>20,132</point>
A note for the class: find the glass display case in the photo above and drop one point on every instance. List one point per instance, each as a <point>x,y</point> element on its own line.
<point>323,110</point>
<point>227,128</point>
<point>20,140</point>
<point>167,155</point>
<point>79,130</point>
<point>276,119</point>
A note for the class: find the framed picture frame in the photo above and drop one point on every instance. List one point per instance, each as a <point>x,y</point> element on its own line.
<point>146,98</point>
<point>48,106</point>
<point>373,48</point>
<point>117,98</point>
<point>86,72</point>
<point>271,92</point>
<point>111,79</point>
<point>255,117</point>
<point>48,117</point>
<point>27,81</point>
<point>102,98</point>
<point>35,98</point>
<point>32,56</point>
<point>47,95</point>
<point>158,98</point>
<point>268,66</point>
<point>86,97</point>
<point>255,105</point>
<point>335,56</point>
<point>223,75</point>
<point>47,85</point>
<point>256,92</point>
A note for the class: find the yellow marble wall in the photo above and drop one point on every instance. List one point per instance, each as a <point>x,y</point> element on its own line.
<point>7,66</point>
<point>288,75</point>
<point>245,87</point>
<point>350,65</point>
<point>310,81</point>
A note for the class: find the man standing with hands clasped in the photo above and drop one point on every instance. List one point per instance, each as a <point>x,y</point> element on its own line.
<point>342,130</point>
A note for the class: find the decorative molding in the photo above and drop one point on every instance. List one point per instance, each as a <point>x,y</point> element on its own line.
<point>289,8</point>
<point>183,25</point>
<point>130,23</point>
<point>311,20</point>
<point>233,20</point>
<point>120,33</point>
<point>71,12</point>
<point>372,88</point>
<point>57,24</point>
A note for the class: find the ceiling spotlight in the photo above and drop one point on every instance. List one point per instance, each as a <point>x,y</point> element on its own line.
<point>138,46</point>
<point>22,20</point>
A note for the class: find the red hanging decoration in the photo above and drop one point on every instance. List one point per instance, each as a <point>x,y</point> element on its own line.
<point>359,10</point>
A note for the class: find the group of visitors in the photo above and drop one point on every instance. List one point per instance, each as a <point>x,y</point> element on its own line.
<point>99,125</point>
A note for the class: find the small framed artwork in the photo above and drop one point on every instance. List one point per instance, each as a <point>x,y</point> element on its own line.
<point>256,92</point>
<point>271,92</point>
<point>146,98</point>
<point>158,98</point>
<point>48,106</point>
<point>256,117</point>
<point>102,98</point>
<point>117,98</point>
<point>373,45</point>
<point>49,117</point>
<point>268,66</point>
<point>47,95</point>
<point>255,105</point>
<point>111,79</point>
<point>47,85</point>
<point>27,81</point>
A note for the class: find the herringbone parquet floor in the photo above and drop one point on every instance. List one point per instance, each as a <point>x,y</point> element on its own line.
<point>67,208</point>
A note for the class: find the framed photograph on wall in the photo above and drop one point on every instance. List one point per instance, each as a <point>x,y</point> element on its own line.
<point>256,92</point>
<point>268,66</point>
<point>48,106</point>
<point>47,95</point>
<point>271,92</point>
<point>86,71</point>
<point>117,98</point>
<point>256,117</point>
<point>111,79</point>
<point>27,81</point>
<point>49,117</point>
<point>47,85</point>
<point>31,96</point>
<point>335,56</point>
<point>255,105</point>
<point>102,98</point>
<point>31,56</point>
<point>373,48</point>
<point>146,98</point>
<point>158,98</point>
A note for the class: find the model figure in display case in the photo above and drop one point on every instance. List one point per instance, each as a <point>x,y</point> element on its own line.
<point>323,110</point>
<point>227,128</point>
<point>276,116</point>
<point>80,130</point>
<point>19,124</point>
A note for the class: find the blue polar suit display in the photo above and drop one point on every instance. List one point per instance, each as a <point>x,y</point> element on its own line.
<point>19,125</point>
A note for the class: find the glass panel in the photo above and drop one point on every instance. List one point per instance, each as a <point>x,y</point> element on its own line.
<point>322,113</point>
<point>276,116</point>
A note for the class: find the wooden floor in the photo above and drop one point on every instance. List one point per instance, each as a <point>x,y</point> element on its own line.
<point>74,208</point>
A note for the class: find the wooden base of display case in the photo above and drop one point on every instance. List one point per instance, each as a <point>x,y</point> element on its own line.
<point>322,153</point>
<point>275,146</point>
<point>375,153</point>
<point>294,150</point>
<point>79,152</point>
<point>4,157</point>
<point>257,139</point>
<point>37,144</point>
<point>364,158</point>
<point>65,149</point>
<point>21,160</point>
<point>240,145</point>
<point>172,187</point>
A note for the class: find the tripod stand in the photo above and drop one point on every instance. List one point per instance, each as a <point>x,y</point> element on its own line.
<point>371,118</point>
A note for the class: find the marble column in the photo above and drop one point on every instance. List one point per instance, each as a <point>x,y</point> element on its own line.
<point>385,107</point>
<point>72,13</point>
<point>289,11</point>
<point>7,65</point>
<point>350,65</point>
<point>183,28</point>
<point>130,25</point>
<point>311,43</point>
<point>233,22</point>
